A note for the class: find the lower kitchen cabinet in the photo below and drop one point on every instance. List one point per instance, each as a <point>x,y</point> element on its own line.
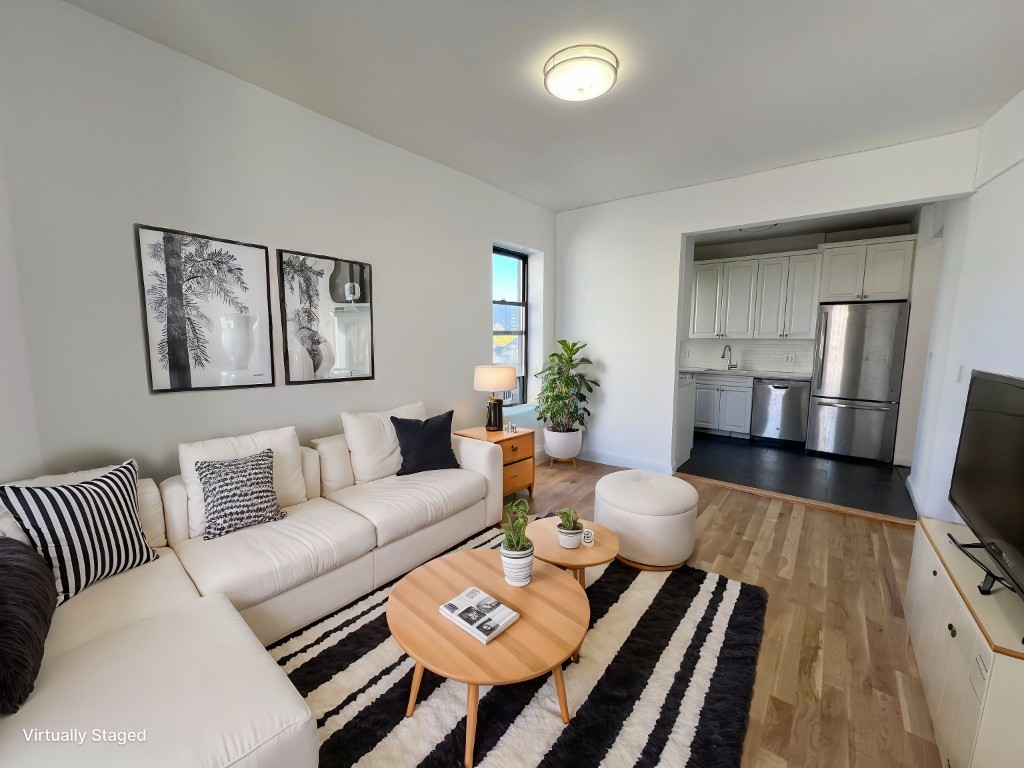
<point>723,404</point>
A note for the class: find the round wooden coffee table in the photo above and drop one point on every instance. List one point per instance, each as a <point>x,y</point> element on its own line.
<point>554,614</point>
<point>544,535</point>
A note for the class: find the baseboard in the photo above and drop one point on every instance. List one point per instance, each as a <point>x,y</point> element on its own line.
<point>621,460</point>
<point>915,497</point>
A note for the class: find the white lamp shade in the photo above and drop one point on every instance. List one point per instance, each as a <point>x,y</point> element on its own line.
<point>494,378</point>
<point>581,72</point>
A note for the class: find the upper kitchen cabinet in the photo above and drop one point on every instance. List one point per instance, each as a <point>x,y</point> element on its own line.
<point>739,286</point>
<point>888,268</point>
<point>705,309</point>
<point>875,271</point>
<point>723,299</point>
<point>787,296</point>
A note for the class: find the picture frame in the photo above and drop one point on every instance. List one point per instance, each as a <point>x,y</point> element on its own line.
<point>326,318</point>
<point>207,320</point>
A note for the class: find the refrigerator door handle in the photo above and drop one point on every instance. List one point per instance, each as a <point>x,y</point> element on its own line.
<point>855,407</point>
<point>821,347</point>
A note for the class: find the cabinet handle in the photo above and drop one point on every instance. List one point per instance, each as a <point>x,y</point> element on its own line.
<point>515,447</point>
<point>935,573</point>
<point>780,334</point>
<point>859,296</point>
<point>952,630</point>
<point>865,295</point>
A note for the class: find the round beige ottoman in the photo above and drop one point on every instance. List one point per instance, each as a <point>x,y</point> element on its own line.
<point>653,515</point>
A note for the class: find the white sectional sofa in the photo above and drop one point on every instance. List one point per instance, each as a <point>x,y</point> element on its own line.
<point>143,652</point>
<point>175,647</point>
<point>342,540</point>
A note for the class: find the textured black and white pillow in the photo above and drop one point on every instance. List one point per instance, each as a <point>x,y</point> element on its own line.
<point>85,532</point>
<point>238,493</point>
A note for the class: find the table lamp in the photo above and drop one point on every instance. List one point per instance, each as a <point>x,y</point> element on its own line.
<point>494,378</point>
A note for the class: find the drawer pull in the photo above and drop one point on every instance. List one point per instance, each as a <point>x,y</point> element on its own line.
<point>952,630</point>
<point>515,447</point>
<point>935,573</point>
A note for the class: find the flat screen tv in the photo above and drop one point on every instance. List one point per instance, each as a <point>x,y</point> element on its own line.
<point>987,487</point>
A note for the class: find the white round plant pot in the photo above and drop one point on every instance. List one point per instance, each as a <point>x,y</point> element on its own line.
<point>569,539</point>
<point>518,566</point>
<point>563,445</point>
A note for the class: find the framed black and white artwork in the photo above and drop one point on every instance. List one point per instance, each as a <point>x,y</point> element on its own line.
<point>327,311</point>
<point>206,311</point>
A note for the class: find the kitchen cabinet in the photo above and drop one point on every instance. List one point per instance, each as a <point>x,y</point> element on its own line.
<point>802,296</point>
<point>723,403</point>
<point>972,679</point>
<point>787,296</point>
<point>874,271</point>
<point>723,300</point>
<point>705,312</point>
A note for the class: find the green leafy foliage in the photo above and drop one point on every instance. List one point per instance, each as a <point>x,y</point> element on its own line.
<point>516,521</point>
<point>562,401</point>
<point>570,520</point>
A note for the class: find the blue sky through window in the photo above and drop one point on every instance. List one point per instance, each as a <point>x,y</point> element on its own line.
<point>505,278</point>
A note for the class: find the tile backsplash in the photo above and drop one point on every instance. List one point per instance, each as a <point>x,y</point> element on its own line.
<point>750,354</point>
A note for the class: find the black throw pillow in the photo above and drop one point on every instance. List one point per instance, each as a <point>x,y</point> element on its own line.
<point>28,597</point>
<point>425,445</point>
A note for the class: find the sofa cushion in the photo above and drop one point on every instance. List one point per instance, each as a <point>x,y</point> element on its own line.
<point>194,678</point>
<point>151,508</point>
<point>372,441</point>
<point>28,595</point>
<point>120,600</point>
<point>288,481</point>
<point>238,493</point>
<point>335,463</point>
<point>86,531</point>
<point>398,506</point>
<point>255,563</point>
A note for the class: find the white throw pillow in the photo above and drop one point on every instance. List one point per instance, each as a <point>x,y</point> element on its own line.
<point>373,443</point>
<point>288,481</point>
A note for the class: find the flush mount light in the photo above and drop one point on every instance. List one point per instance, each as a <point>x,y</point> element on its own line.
<point>581,72</point>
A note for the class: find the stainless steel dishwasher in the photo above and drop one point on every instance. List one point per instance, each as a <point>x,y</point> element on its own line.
<point>779,409</point>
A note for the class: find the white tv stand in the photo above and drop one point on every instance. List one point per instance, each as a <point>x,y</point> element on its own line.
<point>969,648</point>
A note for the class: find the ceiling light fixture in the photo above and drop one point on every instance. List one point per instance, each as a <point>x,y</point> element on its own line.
<point>581,72</point>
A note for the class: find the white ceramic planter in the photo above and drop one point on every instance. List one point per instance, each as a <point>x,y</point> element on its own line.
<point>518,566</point>
<point>563,445</point>
<point>569,539</point>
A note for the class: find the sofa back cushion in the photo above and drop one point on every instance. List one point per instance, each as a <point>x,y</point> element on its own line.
<point>151,508</point>
<point>288,481</point>
<point>373,442</point>
<point>335,463</point>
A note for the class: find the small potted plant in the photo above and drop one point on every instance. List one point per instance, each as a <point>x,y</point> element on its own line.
<point>562,401</point>
<point>516,548</point>
<point>570,530</point>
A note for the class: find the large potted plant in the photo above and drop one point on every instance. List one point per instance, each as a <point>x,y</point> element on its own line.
<point>570,530</point>
<point>562,401</point>
<point>516,548</point>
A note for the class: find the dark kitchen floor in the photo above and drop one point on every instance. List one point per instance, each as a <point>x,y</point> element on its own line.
<point>786,469</point>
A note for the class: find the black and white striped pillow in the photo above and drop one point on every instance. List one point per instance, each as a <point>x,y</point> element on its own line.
<point>238,493</point>
<point>85,532</point>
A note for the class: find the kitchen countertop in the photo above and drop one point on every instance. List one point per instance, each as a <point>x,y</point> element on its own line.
<point>789,375</point>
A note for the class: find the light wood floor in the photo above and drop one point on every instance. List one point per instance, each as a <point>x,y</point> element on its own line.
<point>837,683</point>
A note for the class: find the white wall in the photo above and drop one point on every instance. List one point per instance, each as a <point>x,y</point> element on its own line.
<point>619,268</point>
<point>979,310</point>
<point>103,128</point>
<point>19,444</point>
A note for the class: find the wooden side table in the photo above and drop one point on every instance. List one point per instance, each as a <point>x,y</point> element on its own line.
<point>516,454</point>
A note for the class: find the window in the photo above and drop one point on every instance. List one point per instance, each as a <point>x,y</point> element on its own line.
<point>508,292</point>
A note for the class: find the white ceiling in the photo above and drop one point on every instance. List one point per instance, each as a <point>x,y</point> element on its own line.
<point>706,90</point>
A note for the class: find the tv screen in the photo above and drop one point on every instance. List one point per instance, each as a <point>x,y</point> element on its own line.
<point>987,487</point>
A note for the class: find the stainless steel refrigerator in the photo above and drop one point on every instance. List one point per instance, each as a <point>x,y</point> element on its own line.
<point>858,372</point>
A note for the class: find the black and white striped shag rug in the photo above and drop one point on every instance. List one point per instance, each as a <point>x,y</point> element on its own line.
<point>665,678</point>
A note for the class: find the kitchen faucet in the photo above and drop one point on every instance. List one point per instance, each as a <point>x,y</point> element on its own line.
<point>729,350</point>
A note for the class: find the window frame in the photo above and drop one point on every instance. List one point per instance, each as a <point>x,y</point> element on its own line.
<point>524,284</point>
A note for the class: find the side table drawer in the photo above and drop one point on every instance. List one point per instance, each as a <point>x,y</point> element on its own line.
<point>517,449</point>
<point>518,475</point>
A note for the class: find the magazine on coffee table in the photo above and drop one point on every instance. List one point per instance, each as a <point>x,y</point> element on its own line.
<point>479,614</point>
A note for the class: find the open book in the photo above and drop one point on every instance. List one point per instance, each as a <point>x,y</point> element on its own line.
<point>479,614</point>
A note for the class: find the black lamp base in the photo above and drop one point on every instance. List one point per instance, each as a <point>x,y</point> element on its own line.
<point>495,417</point>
